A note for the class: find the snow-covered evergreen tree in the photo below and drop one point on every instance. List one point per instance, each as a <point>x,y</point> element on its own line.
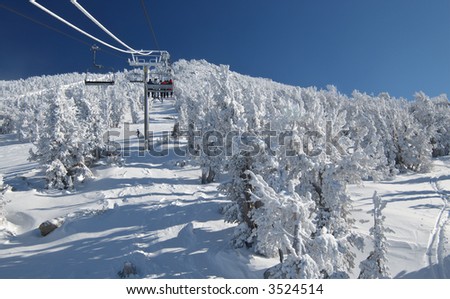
<point>325,250</point>
<point>433,116</point>
<point>283,226</point>
<point>116,98</point>
<point>135,108</point>
<point>281,219</point>
<point>92,126</point>
<point>3,189</point>
<point>294,267</point>
<point>376,264</point>
<point>59,146</point>
<point>238,191</point>
<point>57,176</point>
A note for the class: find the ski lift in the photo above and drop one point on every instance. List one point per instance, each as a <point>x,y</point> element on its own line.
<point>160,88</point>
<point>160,84</point>
<point>159,72</point>
<point>96,75</point>
<point>135,76</point>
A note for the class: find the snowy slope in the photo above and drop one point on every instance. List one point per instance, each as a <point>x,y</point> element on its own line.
<point>153,211</point>
<point>156,214</point>
<point>150,212</point>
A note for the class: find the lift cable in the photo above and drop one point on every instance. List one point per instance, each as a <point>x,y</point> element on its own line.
<point>43,24</point>
<point>150,26</point>
<point>82,31</point>
<point>96,22</point>
<point>54,29</point>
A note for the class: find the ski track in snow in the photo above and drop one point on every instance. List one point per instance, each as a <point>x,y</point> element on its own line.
<point>436,245</point>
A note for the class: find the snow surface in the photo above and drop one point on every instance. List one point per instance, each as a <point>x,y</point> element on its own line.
<point>153,211</point>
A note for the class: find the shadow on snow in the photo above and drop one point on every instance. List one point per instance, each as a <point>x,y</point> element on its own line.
<point>94,247</point>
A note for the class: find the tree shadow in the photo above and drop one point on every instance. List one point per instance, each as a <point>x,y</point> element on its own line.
<point>413,181</point>
<point>404,196</point>
<point>426,207</point>
<point>428,272</point>
<point>11,139</point>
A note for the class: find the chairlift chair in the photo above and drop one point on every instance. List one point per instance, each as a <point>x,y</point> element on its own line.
<point>135,76</point>
<point>160,82</point>
<point>160,89</point>
<point>162,85</point>
<point>99,79</point>
<point>96,74</point>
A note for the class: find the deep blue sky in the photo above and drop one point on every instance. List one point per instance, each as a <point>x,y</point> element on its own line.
<point>397,46</point>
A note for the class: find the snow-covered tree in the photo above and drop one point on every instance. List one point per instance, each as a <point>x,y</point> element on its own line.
<point>283,226</point>
<point>92,125</point>
<point>59,147</point>
<point>280,219</point>
<point>325,250</point>
<point>376,264</point>
<point>300,136</point>
<point>135,108</point>
<point>57,176</point>
<point>294,267</point>
<point>433,116</point>
<point>118,104</point>
<point>413,148</point>
<point>400,137</point>
<point>3,189</point>
<point>238,191</point>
